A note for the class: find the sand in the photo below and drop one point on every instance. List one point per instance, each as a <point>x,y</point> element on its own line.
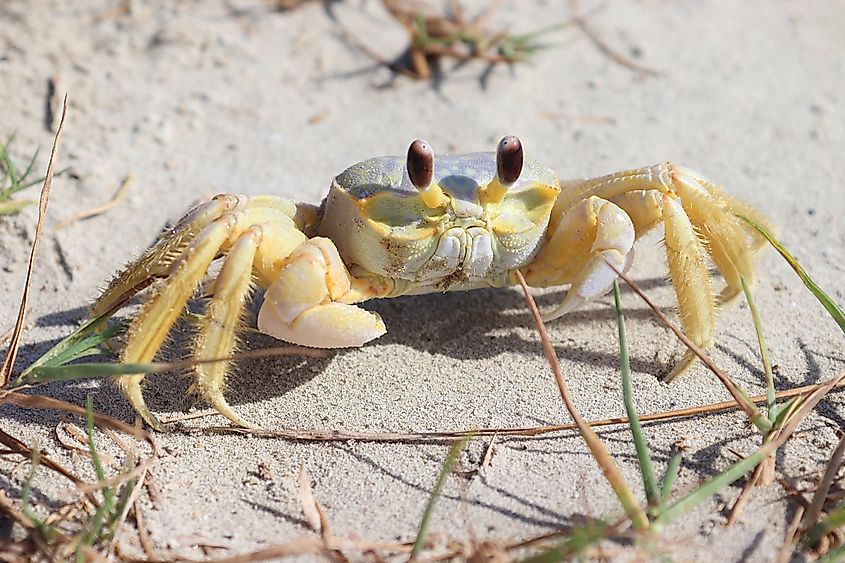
<point>193,99</point>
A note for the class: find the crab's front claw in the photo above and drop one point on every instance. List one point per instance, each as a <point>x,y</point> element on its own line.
<point>304,304</point>
<point>590,235</point>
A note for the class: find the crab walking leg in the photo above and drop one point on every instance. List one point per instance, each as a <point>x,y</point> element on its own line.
<point>590,234</point>
<point>688,269</point>
<point>730,241</point>
<point>310,301</point>
<point>150,328</point>
<point>156,262</point>
<point>644,207</point>
<point>217,335</point>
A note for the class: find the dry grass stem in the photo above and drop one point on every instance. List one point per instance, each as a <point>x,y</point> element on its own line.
<point>811,515</point>
<point>14,343</point>
<point>597,448</point>
<point>143,532</point>
<point>791,538</point>
<point>532,431</point>
<point>118,196</point>
<point>741,398</point>
<point>306,497</point>
<point>605,47</point>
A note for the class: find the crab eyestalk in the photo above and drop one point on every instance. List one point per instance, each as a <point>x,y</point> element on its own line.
<point>509,160</point>
<point>420,167</point>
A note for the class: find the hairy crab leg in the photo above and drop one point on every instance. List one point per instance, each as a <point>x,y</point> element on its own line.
<point>223,316</point>
<point>150,328</point>
<point>277,218</point>
<point>699,220</point>
<point>688,269</point>
<point>156,262</point>
<point>730,241</point>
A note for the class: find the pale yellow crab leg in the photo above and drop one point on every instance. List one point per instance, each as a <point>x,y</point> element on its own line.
<point>730,241</point>
<point>590,234</point>
<point>218,330</point>
<point>151,326</point>
<point>690,278</point>
<point>156,262</point>
<point>644,207</point>
<point>309,303</point>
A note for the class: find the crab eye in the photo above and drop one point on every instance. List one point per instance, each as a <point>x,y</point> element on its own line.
<point>509,160</point>
<point>420,164</point>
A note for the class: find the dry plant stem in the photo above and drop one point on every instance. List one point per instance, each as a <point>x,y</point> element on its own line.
<point>143,533</point>
<point>338,436</point>
<point>605,48</point>
<point>121,192</point>
<point>812,513</point>
<point>791,537</point>
<point>608,466</point>
<point>797,415</point>
<point>742,500</point>
<point>14,343</point>
<point>306,497</point>
<point>48,403</point>
<point>22,449</point>
<point>131,502</point>
<point>739,396</point>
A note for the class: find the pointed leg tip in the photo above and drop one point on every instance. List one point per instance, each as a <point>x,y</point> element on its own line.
<point>686,362</point>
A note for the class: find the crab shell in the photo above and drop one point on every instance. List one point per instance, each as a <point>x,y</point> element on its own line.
<point>465,231</point>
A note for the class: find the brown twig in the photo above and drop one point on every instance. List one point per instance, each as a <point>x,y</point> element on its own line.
<point>143,532</point>
<point>814,510</point>
<point>605,47</point>
<point>742,400</point>
<point>531,431</point>
<point>14,343</point>
<point>791,537</point>
<point>121,192</point>
<point>596,446</point>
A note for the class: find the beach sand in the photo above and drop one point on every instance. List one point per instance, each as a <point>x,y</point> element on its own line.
<point>197,98</point>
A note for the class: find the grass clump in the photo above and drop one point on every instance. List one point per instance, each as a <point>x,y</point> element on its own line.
<point>15,179</point>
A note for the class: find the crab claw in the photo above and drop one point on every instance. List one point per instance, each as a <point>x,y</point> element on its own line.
<point>302,306</point>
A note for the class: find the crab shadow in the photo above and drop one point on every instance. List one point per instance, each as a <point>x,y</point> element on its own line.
<point>472,325</point>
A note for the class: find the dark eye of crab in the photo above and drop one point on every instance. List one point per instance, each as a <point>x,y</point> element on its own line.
<point>420,164</point>
<point>509,160</point>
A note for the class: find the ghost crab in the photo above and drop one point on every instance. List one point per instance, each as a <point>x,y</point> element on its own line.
<point>393,226</point>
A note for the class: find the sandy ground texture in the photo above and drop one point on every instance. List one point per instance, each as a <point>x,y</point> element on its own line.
<point>196,98</point>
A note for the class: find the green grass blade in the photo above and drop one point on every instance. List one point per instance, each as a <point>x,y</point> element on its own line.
<point>31,183</point>
<point>11,207</point>
<point>672,469</point>
<point>92,446</point>
<point>30,166</point>
<point>643,455</point>
<point>123,500</point>
<point>708,489</point>
<point>84,341</point>
<point>48,374</point>
<point>578,540</point>
<point>771,411</point>
<point>107,507</point>
<point>828,303</point>
<point>47,532</point>
<point>445,471</point>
